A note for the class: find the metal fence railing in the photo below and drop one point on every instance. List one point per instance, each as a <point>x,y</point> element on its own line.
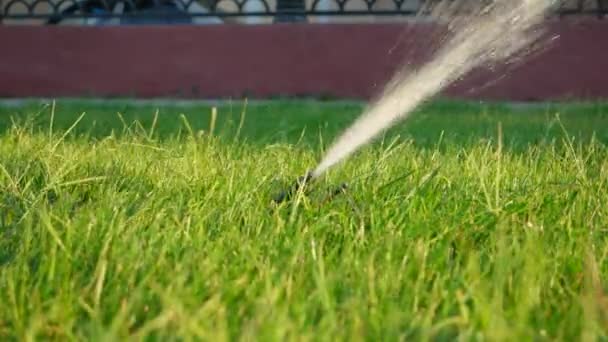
<point>108,12</point>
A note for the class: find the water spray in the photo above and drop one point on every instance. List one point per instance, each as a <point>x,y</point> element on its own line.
<point>494,33</point>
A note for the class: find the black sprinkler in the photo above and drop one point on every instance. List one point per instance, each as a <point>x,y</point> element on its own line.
<point>301,184</point>
<point>288,193</point>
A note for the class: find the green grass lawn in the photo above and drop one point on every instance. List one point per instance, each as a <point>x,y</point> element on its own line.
<point>151,222</point>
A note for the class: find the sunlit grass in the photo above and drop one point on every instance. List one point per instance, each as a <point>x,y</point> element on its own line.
<point>158,229</point>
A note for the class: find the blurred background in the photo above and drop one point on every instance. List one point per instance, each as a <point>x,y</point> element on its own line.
<point>125,12</point>
<point>269,48</point>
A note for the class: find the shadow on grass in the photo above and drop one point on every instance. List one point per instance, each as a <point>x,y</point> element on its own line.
<point>313,123</point>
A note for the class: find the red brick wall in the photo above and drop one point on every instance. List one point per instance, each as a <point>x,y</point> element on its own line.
<point>348,61</point>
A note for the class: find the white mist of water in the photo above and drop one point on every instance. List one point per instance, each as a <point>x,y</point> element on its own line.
<point>495,32</point>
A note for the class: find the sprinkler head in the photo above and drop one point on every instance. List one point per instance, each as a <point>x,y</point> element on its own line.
<point>288,193</point>
<point>339,190</point>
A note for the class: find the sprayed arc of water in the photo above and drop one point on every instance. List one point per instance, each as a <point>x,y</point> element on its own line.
<point>503,29</point>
